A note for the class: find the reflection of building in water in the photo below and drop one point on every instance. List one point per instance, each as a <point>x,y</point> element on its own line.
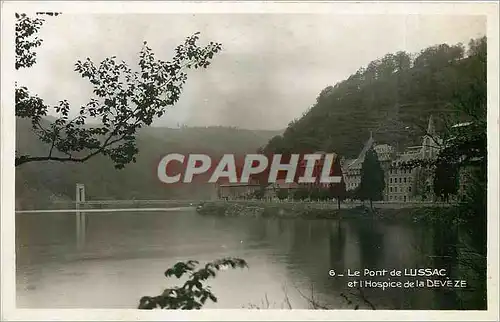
<point>406,247</point>
<point>401,183</point>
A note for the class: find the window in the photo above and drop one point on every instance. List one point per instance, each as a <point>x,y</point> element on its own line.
<point>390,189</point>
<point>405,180</point>
<point>405,199</point>
<point>400,180</point>
<point>390,180</point>
<point>390,198</point>
<point>400,189</point>
<point>409,189</point>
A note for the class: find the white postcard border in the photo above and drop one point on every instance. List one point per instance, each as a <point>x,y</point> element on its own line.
<point>7,170</point>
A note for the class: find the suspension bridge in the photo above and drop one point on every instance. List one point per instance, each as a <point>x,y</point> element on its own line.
<point>81,207</point>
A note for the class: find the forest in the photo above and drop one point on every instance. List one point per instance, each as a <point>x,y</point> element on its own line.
<point>392,96</point>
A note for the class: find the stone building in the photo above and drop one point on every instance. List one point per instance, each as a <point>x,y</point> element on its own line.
<point>231,191</point>
<point>401,185</point>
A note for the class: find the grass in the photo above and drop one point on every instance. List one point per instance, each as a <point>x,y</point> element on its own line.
<point>353,300</point>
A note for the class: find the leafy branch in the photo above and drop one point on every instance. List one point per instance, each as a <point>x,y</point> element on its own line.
<point>192,294</point>
<point>124,101</point>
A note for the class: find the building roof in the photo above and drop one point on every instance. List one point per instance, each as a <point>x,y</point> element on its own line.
<point>349,161</point>
<point>407,157</point>
<point>361,157</point>
<point>461,124</point>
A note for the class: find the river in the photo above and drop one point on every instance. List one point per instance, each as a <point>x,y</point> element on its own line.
<point>125,255</point>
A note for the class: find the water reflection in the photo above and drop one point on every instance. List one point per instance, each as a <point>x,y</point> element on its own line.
<point>125,254</point>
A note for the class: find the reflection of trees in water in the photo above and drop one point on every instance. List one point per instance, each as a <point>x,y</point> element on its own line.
<point>406,247</point>
<point>371,242</point>
<point>337,250</point>
<point>337,240</point>
<point>445,240</point>
<point>310,248</point>
<point>472,268</point>
<point>281,227</point>
<point>316,246</point>
<point>376,252</point>
<point>453,251</point>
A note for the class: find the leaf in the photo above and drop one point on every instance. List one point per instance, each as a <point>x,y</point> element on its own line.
<point>212,297</point>
<point>169,272</point>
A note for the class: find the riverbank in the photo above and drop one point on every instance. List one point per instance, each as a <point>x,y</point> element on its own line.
<point>324,210</point>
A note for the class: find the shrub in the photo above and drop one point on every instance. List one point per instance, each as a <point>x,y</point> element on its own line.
<point>193,294</point>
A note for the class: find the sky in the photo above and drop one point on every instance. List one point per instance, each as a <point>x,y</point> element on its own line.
<point>270,71</point>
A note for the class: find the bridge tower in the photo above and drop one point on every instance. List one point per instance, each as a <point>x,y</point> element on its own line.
<point>80,194</point>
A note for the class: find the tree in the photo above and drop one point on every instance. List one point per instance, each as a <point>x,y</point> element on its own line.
<point>315,193</point>
<point>324,194</point>
<point>276,144</point>
<point>372,178</point>
<point>445,181</point>
<point>301,194</point>
<point>125,100</point>
<point>259,193</point>
<point>282,194</point>
<point>421,186</point>
<point>465,150</point>
<point>338,190</point>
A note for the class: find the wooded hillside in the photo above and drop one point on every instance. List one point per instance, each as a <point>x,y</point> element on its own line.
<point>393,97</point>
<point>38,183</point>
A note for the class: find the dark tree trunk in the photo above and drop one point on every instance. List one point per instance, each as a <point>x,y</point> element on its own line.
<point>338,202</point>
